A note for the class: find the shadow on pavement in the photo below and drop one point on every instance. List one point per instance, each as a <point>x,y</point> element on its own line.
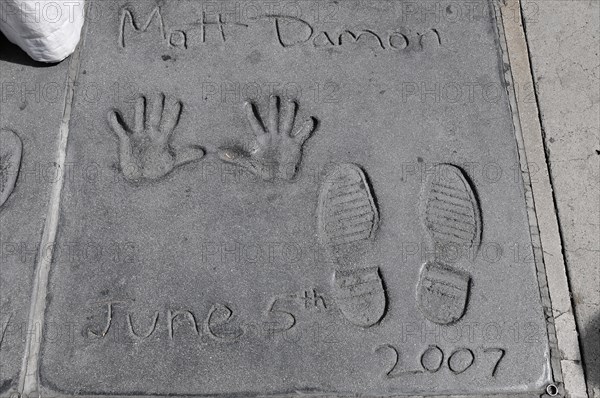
<point>591,352</point>
<point>12,53</point>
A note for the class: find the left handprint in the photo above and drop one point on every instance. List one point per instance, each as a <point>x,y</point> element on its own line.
<point>145,151</point>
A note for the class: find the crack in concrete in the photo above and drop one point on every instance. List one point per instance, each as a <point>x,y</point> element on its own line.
<point>29,375</point>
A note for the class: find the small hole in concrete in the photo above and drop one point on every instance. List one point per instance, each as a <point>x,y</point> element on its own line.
<point>552,390</point>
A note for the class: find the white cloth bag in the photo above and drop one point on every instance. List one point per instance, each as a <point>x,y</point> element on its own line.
<point>47,30</point>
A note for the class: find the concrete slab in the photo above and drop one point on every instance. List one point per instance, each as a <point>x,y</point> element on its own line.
<point>563,42</point>
<point>359,226</point>
<point>31,107</point>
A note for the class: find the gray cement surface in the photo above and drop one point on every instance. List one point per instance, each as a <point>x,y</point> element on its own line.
<point>191,258</point>
<point>556,62</point>
<point>563,43</point>
<point>31,105</point>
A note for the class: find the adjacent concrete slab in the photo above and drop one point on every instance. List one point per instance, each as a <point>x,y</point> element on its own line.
<point>31,108</point>
<point>275,200</point>
<point>563,41</point>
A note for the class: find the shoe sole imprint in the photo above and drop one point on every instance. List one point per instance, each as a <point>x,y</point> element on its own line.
<point>348,217</point>
<point>451,216</point>
<point>11,149</point>
<point>347,214</point>
<point>450,210</point>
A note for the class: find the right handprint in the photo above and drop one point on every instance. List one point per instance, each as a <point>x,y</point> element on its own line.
<point>277,151</point>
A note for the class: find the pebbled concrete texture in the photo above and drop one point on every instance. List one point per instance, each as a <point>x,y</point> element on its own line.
<point>563,43</point>
<point>31,105</point>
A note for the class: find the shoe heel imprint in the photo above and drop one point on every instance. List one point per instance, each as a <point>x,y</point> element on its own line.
<point>360,295</point>
<point>442,293</point>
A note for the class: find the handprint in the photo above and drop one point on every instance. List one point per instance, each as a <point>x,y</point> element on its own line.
<point>277,151</point>
<point>145,151</point>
